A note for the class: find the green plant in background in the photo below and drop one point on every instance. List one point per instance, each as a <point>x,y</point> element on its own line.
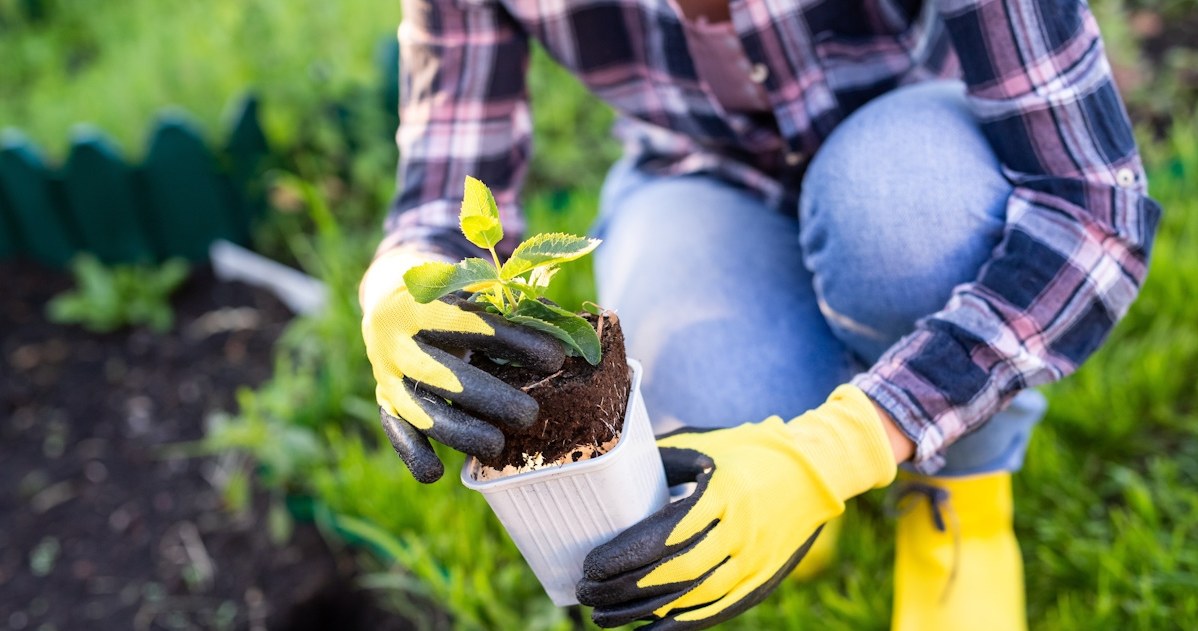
<point>117,67</point>
<point>108,298</point>
<point>574,145</point>
<point>513,288</point>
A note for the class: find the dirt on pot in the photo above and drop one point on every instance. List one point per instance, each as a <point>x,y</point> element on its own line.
<point>582,406</point>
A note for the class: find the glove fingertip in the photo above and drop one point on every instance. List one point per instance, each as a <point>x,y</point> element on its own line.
<point>593,568</point>
<point>426,472</point>
<point>602,563</point>
<point>518,410</point>
<point>413,448</point>
<point>608,560</point>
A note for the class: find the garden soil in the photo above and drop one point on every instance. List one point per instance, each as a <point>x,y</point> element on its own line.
<point>582,405</point>
<point>100,527</point>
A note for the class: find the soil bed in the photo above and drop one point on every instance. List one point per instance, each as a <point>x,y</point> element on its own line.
<point>581,406</point>
<point>98,529</point>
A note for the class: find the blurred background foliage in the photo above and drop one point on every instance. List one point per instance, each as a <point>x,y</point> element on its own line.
<point>1107,504</point>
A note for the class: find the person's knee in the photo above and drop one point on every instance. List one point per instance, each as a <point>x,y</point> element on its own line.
<point>903,202</point>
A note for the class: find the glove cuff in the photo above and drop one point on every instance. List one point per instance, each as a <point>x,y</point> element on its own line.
<point>845,442</point>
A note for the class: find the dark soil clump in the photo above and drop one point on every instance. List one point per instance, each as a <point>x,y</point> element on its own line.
<point>582,405</point>
<point>100,527</point>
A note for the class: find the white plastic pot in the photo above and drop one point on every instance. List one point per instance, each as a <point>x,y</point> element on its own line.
<point>558,514</point>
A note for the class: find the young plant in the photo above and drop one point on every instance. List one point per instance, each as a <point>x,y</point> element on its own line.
<point>108,298</point>
<point>513,289</point>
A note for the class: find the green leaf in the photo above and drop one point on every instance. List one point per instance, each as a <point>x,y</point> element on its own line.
<point>552,329</point>
<point>493,303</point>
<point>577,334</point>
<point>541,276</point>
<point>430,281</point>
<point>172,274</point>
<point>480,215</point>
<point>549,248</point>
<point>279,523</point>
<point>533,293</point>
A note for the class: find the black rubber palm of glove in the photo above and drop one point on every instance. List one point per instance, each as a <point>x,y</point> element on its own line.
<point>764,492</point>
<point>626,581</point>
<point>427,391</point>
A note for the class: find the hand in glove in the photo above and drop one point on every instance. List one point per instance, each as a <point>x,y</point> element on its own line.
<point>764,491</point>
<point>410,346</point>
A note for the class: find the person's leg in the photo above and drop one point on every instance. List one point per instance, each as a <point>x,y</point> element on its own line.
<point>905,201</point>
<point>714,300</point>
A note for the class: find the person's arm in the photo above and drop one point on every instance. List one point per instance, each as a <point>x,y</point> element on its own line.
<point>1079,225</point>
<point>1072,259</point>
<point>463,111</point>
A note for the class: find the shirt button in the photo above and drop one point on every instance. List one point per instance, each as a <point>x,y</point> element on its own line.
<point>794,158</point>
<point>1125,177</point>
<point>759,73</point>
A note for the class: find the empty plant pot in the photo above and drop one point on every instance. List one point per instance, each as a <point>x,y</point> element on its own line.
<point>557,514</point>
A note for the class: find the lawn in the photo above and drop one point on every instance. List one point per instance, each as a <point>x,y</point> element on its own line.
<point>1107,506</point>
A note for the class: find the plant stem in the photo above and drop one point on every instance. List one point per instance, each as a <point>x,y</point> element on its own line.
<point>510,296</point>
<point>495,259</point>
<point>505,293</point>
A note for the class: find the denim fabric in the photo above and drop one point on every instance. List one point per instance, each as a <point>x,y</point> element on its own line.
<point>738,312</point>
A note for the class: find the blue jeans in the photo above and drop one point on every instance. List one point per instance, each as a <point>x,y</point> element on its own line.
<point>739,312</point>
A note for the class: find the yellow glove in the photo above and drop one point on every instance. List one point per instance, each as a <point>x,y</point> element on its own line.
<point>417,378</point>
<point>764,491</point>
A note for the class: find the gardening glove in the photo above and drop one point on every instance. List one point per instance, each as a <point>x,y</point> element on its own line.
<point>763,493</point>
<point>424,389</point>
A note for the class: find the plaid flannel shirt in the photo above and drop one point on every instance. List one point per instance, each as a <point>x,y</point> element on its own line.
<point>1079,224</point>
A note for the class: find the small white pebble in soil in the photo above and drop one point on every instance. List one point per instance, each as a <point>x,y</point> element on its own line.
<point>138,410</point>
<point>189,391</point>
<point>95,472</point>
<point>120,519</point>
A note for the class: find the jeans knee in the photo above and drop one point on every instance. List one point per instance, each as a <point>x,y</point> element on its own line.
<point>903,202</point>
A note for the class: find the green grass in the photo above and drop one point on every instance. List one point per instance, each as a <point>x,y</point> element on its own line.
<point>117,65</point>
<point>1107,506</point>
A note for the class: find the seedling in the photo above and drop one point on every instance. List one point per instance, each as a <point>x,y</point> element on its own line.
<point>108,298</point>
<point>515,288</point>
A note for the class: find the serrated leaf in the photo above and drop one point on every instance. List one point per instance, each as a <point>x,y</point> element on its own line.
<point>549,248</point>
<point>524,288</point>
<point>430,281</point>
<point>479,218</point>
<point>577,334</point>
<point>541,276</point>
<point>552,329</point>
